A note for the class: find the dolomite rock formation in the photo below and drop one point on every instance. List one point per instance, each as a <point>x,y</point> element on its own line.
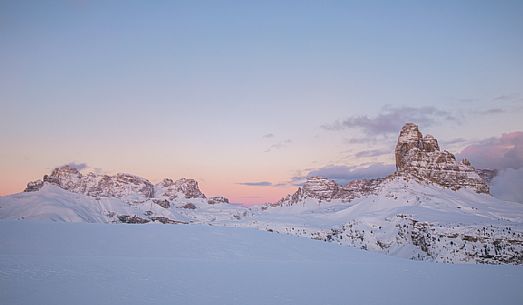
<point>125,186</point>
<point>417,156</point>
<point>181,188</point>
<point>324,189</point>
<point>129,188</point>
<point>420,156</point>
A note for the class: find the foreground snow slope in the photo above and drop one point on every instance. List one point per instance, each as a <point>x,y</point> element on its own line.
<point>68,263</point>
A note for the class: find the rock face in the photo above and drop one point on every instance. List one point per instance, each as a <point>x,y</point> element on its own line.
<point>186,188</point>
<point>321,188</point>
<point>34,186</point>
<point>129,188</point>
<point>487,174</point>
<point>217,199</point>
<point>324,189</point>
<point>125,186</point>
<point>420,156</point>
<point>132,219</point>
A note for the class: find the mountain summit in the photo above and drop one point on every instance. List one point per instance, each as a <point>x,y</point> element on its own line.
<point>417,157</point>
<point>420,156</point>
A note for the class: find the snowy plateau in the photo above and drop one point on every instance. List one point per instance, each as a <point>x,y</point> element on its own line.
<point>446,239</point>
<point>79,263</point>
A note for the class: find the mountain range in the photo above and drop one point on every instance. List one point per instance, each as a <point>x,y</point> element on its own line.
<point>433,207</point>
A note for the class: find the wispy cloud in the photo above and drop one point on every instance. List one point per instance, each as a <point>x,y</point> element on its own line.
<point>490,111</point>
<point>279,145</point>
<point>452,141</point>
<point>344,174</point>
<point>256,183</point>
<point>505,97</point>
<point>467,100</point>
<point>268,136</point>
<point>391,119</point>
<point>372,153</point>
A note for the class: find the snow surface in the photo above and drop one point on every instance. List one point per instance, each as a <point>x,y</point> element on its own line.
<point>77,263</point>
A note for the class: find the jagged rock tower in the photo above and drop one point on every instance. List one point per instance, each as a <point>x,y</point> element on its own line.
<point>420,156</point>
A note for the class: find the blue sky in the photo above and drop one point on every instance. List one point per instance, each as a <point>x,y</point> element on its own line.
<point>190,88</point>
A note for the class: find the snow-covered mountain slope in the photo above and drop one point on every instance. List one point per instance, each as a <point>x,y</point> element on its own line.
<point>410,218</point>
<point>433,208</point>
<point>69,263</point>
<point>52,202</point>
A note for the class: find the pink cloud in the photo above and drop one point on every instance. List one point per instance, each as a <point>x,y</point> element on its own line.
<point>496,153</point>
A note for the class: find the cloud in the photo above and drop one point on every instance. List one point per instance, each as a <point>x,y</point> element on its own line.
<point>279,145</point>
<point>391,119</point>
<point>256,183</point>
<point>507,185</point>
<point>496,153</point>
<point>467,100</point>
<point>452,141</point>
<point>372,153</point>
<point>344,174</point>
<point>490,111</point>
<point>78,166</point>
<point>268,136</point>
<point>504,97</point>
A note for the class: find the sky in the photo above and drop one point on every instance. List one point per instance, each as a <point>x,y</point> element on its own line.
<point>250,97</point>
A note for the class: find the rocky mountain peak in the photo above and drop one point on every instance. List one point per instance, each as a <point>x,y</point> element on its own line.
<point>319,187</point>
<point>411,143</point>
<point>189,187</point>
<point>420,156</point>
<point>125,186</point>
<point>184,187</point>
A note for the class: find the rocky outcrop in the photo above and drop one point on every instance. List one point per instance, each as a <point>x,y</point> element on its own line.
<point>189,206</point>
<point>34,186</point>
<point>323,189</point>
<point>182,188</point>
<point>487,174</point>
<point>164,203</point>
<point>166,220</point>
<point>132,219</point>
<point>420,156</point>
<point>217,200</point>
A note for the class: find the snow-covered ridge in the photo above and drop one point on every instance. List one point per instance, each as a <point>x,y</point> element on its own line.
<point>129,188</point>
<point>433,207</point>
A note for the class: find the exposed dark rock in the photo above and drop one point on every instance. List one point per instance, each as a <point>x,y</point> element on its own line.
<point>34,186</point>
<point>164,203</point>
<point>132,219</point>
<point>217,199</point>
<point>487,174</point>
<point>189,206</point>
<point>166,220</point>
